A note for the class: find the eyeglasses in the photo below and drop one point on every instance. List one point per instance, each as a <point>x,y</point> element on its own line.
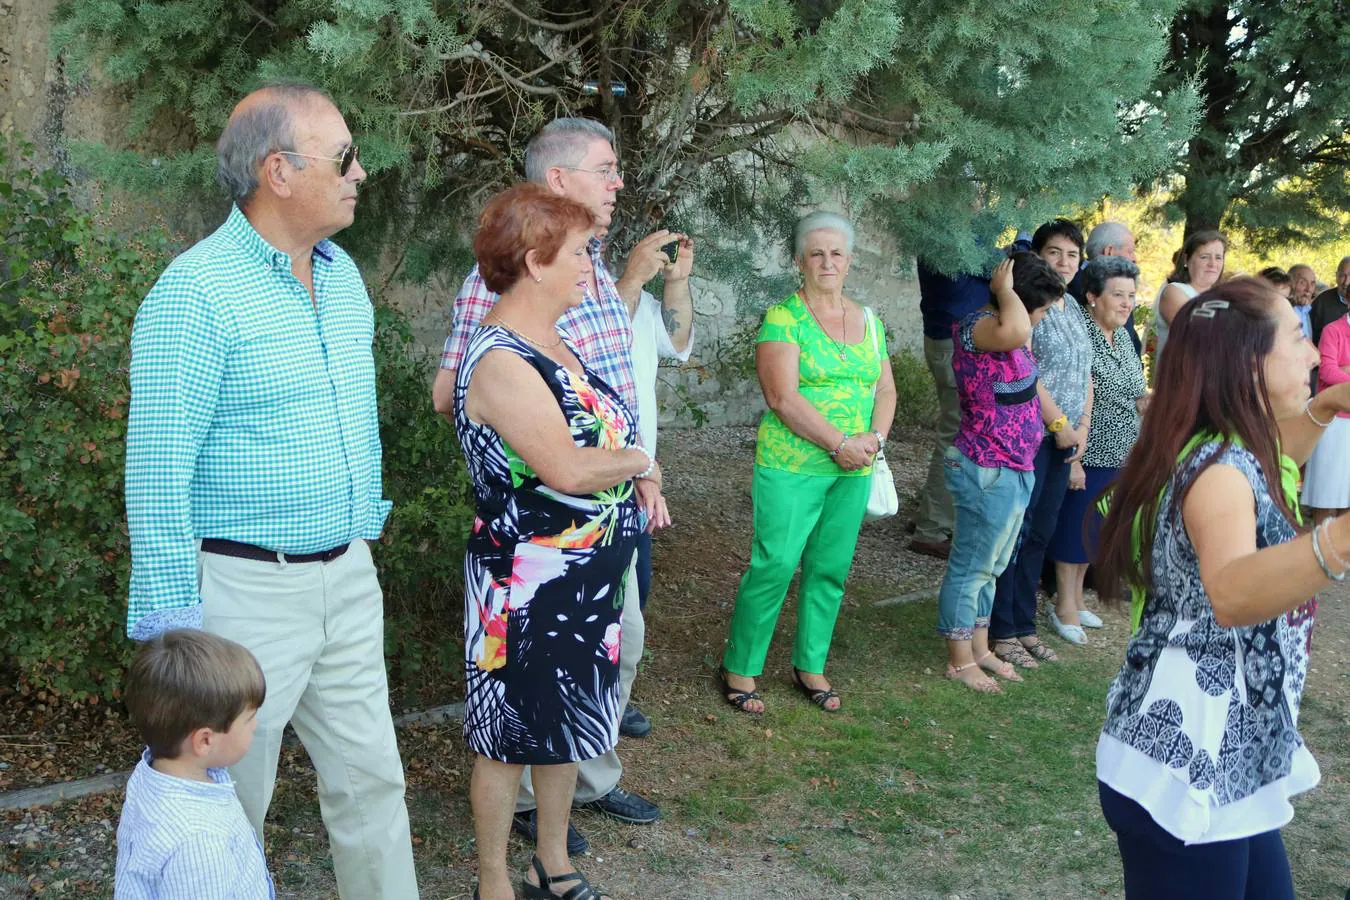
<point>349,156</point>
<point>610,175</point>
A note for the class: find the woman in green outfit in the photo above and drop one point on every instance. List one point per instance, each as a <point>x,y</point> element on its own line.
<point>825,374</point>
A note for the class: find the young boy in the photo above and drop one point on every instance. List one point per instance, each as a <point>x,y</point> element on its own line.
<point>183,834</point>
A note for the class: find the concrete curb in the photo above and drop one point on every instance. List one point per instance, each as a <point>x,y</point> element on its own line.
<point>48,794</point>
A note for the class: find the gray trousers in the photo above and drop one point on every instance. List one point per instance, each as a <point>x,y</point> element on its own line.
<point>597,777</point>
<point>936,516</point>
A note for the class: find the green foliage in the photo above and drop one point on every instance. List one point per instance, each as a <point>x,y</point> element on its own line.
<point>1272,154</point>
<point>69,290</point>
<point>916,405</point>
<point>952,120</point>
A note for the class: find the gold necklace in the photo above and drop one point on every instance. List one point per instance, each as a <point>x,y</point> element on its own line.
<point>525,337</point>
<point>840,346</point>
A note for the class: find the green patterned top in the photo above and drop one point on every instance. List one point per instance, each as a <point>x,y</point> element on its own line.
<point>841,389</point>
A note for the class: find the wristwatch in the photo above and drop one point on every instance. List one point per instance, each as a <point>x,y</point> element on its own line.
<point>1058,425</point>
<point>881,438</point>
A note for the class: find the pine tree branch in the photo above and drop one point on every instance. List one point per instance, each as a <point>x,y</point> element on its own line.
<point>548,26</point>
<point>259,14</point>
<point>475,51</point>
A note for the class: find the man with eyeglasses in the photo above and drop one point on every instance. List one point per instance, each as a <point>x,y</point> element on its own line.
<point>253,472</point>
<point>575,158</point>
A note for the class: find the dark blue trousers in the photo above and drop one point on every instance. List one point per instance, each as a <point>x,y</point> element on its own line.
<point>1158,866</point>
<point>1014,613</point>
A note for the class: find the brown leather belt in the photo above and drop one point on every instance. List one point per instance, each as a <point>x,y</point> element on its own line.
<point>262,554</point>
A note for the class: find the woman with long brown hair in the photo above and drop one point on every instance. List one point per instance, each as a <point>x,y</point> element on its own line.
<point>1200,752</point>
<point>1196,268</point>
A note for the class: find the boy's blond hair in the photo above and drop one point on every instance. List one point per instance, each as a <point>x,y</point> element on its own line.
<point>187,679</point>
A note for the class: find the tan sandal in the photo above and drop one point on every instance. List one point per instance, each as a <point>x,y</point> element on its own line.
<point>995,666</point>
<point>1040,649</point>
<point>1010,650</point>
<point>985,685</point>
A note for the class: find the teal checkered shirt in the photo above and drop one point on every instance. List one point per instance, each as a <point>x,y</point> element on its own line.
<point>252,415</point>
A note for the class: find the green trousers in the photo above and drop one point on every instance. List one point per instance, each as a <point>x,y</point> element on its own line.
<point>811,519</point>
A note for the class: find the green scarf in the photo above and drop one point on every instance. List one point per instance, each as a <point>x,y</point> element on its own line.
<point>1288,483</point>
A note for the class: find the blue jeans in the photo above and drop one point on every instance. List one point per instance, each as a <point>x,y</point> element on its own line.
<point>1158,866</point>
<point>989,506</point>
<point>1014,613</point>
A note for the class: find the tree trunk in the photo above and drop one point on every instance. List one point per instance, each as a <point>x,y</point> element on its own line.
<point>1210,181</point>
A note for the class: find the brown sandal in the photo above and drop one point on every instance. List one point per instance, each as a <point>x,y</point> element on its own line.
<point>1040,650</point>
<point>1010,650</point>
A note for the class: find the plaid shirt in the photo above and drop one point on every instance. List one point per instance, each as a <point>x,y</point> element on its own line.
<point>252,415</point>
<point>179,839</point>
<point>599,327</point>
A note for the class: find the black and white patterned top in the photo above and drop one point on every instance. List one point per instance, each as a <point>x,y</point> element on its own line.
<point>1201,723</point>
<point>1063,354</point>
<point>1117,382</point>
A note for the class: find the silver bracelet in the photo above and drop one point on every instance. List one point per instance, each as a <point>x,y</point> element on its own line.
<point>651,462</point>
<point>1321,561</point>
<point>1307,408</point>
<point>1330,546</point>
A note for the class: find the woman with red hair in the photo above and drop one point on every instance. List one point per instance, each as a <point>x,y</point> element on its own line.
<point>557,475</point>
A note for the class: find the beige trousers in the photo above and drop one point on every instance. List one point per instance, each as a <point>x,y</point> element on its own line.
<point>597,777</point>
<point>936,516</point>
<point>317,630</point>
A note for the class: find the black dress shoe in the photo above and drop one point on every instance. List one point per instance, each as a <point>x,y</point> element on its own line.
<point>634,724</point>
<point>524,824</point>
<point>626,807</point>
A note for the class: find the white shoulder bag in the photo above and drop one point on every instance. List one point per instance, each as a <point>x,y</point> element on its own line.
<point>882,500</point>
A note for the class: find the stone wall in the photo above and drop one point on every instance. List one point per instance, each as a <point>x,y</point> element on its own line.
<point>37,100</point>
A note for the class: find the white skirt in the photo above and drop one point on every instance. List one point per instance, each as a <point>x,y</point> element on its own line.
<point>1326,481</point>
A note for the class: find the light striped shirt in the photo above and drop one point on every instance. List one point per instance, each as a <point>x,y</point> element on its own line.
<point>598,327</point>
<point>180,839</point>
<point>252,415</point>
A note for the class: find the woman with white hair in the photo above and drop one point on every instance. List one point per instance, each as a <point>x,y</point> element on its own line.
<point>823,367</point>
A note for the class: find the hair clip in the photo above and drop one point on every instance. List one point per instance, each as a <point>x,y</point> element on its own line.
<point>1209,308</point>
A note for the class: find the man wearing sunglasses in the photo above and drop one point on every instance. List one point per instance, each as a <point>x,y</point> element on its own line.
<point>253,478</point>
<point>575,159</point>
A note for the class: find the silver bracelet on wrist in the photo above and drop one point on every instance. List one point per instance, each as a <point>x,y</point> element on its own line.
<point>1321,560</point>
<point>835,451</point>
<point>1307,408</point>
<point>651,462</point>
<point>1329,546</point>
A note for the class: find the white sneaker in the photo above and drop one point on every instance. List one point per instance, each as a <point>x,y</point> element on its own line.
<point>1089,619</point>
<point>1074,634</point>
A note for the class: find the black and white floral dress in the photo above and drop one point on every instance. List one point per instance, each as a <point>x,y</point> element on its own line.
<point>544,577</point>
<point>1202,721</point>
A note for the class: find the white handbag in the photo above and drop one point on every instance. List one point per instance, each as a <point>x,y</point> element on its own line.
<point>882,499</point>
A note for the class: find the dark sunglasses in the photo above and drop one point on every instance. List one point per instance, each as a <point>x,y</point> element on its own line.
<point>349,156</point>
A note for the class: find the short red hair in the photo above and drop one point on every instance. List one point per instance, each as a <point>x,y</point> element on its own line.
<point>520,219</point>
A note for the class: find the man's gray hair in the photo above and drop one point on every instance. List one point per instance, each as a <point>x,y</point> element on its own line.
<point>1102,269</point>
<point>1299,267</point>
<point>820,220</point>
<point>1345,261</point>
<point>259,131</point>
<point>562,142</point>
<point>1107,234</point>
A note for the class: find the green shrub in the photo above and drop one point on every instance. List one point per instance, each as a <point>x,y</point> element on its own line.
<point>916,405</point>
<point>69,290</point>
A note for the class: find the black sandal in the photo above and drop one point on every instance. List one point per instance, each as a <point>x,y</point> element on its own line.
<point>816,695</point>
<point>582,890</point>
<point>737,697</point>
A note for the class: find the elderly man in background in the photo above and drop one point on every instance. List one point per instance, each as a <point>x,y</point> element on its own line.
<point>253,480</point>
<point>1303,287</point>
<point>943,301</point>
<point>1331,304</point>
<point>1109,239</point>
<point>574,158</point>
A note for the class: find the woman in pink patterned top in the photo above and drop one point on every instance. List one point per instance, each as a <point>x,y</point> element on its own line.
<point>1326,482</point>
<point>990,466</point>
